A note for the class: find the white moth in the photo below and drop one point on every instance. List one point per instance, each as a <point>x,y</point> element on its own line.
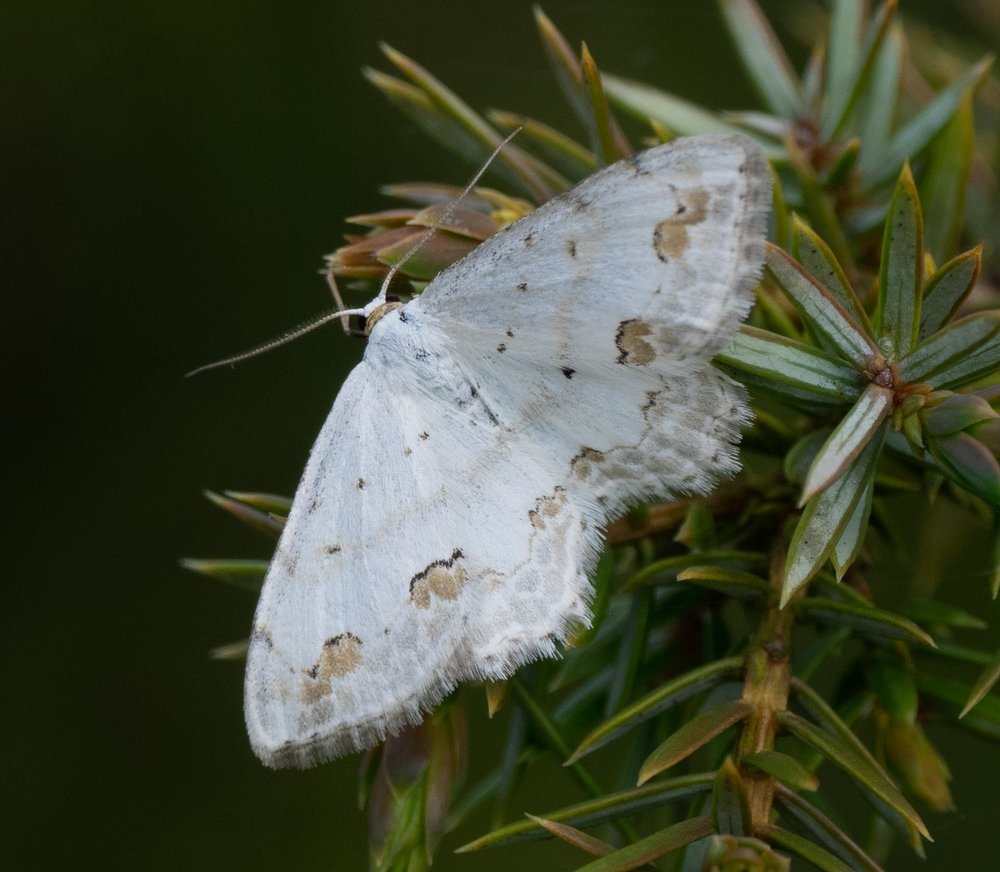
<point>453,504</point>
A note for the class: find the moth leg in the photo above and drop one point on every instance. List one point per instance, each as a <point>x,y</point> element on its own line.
<point>338,300</point>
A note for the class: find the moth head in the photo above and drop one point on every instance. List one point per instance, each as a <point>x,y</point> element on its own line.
<point>379,312</point>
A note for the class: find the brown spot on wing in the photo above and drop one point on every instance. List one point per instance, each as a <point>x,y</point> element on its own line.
<point>632,347</point>
<point>547,507</point>
<point>670,237</point>
<point>443,579</point>
<point>581,465</point>
<point>338,657</point>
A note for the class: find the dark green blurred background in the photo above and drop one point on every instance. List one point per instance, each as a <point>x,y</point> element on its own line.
<point>172,173</point>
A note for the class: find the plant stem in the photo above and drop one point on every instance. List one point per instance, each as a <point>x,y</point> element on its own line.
<point>765,686</point>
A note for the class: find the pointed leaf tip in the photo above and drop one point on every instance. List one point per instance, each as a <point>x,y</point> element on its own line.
<point>693,735</point>
<point>897,313</point>
<point>652,847</point>
<point>572,836</point>
<point>826,517</point>
<point>984,684</point>
<point>857,766</point>
<point>848,440</point>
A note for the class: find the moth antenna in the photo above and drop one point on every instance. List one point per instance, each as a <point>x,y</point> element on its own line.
<point>344,314</point>
<point>284,338</point>
<point>443,219</point>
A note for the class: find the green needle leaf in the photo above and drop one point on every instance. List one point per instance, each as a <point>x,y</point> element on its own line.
<point>944,181</point>
<point>970,463</point>
<point>417,106</point>
<point>852,540</point>
<point>264,521</point>
<point>785,768</point>
<point>732,582</point>
<point>824,830</point>
<point>819,261</point>
<point>826,717</point>
<point>808,851</point>
<point>605,808</point>
<point>911,139</point>
<point>570,77</point>
<point>984,684</point>
<point>878,103</point>
<point>599,115</point>
<point>848,440</point>
<point>800,456</point>
<point>938,614</point>
<point>730,808</point>
<point>842,55</point>
<point>564,63</point>
<point>539,181</point>
<point>273,504</point>
<point>646,103</point>
<point>232,651</point>
<point>826,644</point>
<point>567,156</point>
<point>854,74</point>
<point>866,620</point>
<point>825,518</point>
<point>820,308</point>
<point>763,57</point>
<point>983,718</point>
<point>784,364</point>
<point>856,766</point>
<point>995,568</point>
<point>572,836</point>
<point>659,700</point>
<point>981,361</point>
<point>947,288</point>
<point>818,203</point>
<point>631,650</point>
<point>665,571</point>
<point>693,735</point>
<point>894,685</point>
<point>897,313</point>
<point>956,413</point>
<point>246,574</point>
<point>957,353</point>
<point>553,736</point>
<point>650,848</point>
<point>812,76</point>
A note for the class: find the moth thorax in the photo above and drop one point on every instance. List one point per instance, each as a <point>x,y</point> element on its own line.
<point>378,314</point>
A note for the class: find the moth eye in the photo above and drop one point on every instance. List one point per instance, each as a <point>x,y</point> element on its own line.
<point>392,298</point>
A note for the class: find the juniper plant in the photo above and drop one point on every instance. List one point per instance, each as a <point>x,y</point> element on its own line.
<point>873,358</point>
